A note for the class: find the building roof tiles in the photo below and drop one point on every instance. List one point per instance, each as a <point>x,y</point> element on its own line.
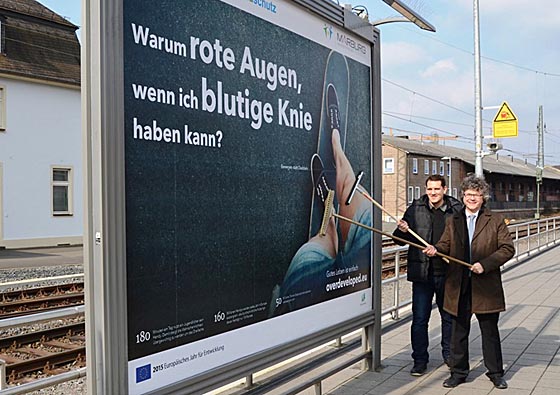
<point>38,43</point>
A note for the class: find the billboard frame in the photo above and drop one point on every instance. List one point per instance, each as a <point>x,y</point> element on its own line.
<point>105,218</point>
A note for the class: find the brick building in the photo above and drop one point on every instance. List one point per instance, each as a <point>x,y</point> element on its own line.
<point>407,164</point>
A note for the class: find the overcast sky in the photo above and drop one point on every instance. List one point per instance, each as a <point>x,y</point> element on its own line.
<point>428,78</point>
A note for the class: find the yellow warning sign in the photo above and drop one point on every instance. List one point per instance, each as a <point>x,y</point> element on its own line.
<point>505,123</point>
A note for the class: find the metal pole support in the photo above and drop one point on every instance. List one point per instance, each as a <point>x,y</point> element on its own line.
<point>249,381</point>
<point>397,285</point>
<point>318,388</point>
<point>3,378</point>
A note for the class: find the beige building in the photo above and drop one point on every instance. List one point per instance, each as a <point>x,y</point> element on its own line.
<point>40,128</point>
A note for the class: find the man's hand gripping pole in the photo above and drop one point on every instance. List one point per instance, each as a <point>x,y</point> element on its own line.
<point>329,212</point>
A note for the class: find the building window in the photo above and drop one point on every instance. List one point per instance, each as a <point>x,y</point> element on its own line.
<point>414,165</point>
<point>2,107</point>
<point>388,165</point>
<point>410,194</point>
<point>426,166</point>
<point>416,192</point>
<point>441,168</point>
<point>434,167</point>
<point>61,191</point>
<point>448,169</point>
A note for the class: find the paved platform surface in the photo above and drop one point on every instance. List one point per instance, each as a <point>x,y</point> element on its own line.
<point>36,257</point>
<point>530,334</point>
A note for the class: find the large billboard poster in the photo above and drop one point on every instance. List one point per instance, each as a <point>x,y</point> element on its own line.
<point>239,116</point>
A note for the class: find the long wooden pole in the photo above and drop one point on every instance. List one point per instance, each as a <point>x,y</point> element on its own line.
<point>398,238</point>
<point>413,233</point>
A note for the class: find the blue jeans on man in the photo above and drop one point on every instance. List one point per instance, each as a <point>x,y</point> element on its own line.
<point>422,299</point>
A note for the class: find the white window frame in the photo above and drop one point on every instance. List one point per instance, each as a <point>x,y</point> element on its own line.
<point>69,184</point>
<point>416,192</point>
<point>388,165</point>
<point>426,167</point>
<point>3,108</point>
<point>410,194</point>
<point>434,167</point>
<point>414,165</point>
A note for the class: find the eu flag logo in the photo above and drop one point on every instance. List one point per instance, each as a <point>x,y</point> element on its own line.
<point>143,373</point>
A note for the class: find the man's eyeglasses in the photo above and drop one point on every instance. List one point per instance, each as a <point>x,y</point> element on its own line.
<point>473,195</point>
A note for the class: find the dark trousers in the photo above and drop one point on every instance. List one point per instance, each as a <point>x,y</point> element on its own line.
<point>491,346</point>
<point>422,299</point>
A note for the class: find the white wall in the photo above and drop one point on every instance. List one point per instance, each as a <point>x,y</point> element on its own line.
<point>43,129</point>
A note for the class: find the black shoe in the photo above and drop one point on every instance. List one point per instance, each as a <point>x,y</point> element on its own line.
<point>322,181</point>
<point>447,363</point>
<point>453,381</point>
<point>418,369</point>
<point>499,383</point>
<point>319,178</point>
<point>333,115</point>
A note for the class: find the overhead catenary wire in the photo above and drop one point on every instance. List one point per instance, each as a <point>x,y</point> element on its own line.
<point>431,37</point>
<point>416,93</point>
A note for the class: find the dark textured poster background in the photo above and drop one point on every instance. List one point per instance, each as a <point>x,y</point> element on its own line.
<point>208,229</point>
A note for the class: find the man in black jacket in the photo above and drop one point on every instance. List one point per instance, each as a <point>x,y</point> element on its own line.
<point>426,217</point>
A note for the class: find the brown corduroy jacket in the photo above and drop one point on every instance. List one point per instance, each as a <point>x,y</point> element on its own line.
<point>492,246</point>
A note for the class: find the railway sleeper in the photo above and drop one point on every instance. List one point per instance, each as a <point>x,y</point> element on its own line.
<point>59,344</point>
<point>41,300</point>
<point>46,363</point>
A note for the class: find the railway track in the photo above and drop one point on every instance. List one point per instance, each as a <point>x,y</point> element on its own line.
<point>60,349</point>
<point>49,352</point>
<point>35,300</point>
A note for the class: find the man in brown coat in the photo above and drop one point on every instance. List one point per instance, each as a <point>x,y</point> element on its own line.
<point>478,236</point>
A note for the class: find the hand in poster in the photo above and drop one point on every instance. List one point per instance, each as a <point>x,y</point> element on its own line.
<point>346,248</point>
<point>345,178</point>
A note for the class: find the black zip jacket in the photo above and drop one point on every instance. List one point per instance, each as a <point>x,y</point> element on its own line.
<point>419,218</point>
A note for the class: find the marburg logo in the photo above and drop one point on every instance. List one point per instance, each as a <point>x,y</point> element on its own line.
<point>350,42</point>
<point>267,5</point>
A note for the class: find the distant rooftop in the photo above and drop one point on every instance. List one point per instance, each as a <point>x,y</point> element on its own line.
<point>34,9</point>
<point>37,43</point>
<point>497,163</point>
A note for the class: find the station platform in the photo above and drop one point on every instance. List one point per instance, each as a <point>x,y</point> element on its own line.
<point>530,334</point>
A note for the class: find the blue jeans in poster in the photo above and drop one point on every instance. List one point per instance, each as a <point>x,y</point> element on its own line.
<point>422,299</point>
<point>304,282</point>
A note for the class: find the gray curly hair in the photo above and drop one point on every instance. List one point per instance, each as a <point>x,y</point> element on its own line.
<point>475,183</point>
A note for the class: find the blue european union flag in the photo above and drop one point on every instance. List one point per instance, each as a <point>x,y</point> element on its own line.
<point>143,373</point>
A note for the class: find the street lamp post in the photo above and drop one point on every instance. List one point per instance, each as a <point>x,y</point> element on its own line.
<point>478,169</point>
<point>408,14</point>
<point>540,162</point>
